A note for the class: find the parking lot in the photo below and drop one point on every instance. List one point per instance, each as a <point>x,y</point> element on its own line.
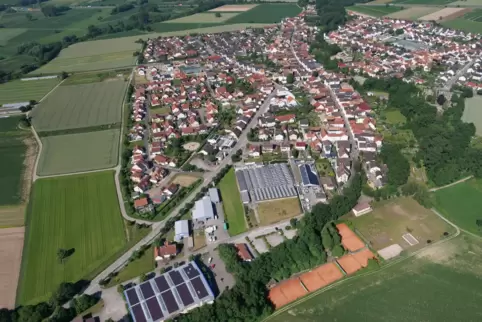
<point>223,278</point>
<point>272,236</point>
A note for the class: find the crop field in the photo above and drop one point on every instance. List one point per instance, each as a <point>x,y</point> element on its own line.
<point>11,244</point>
<point>13,150</point>
<point>267,13</point>
<point>7,34</point>
<point>233,207</point>
<point>470,22</point>
<point>77,213</point>
<point>79,106</point>
<point>467,3</point>
<point>445,14</point>
<point>374,11</point>
<point>78,152</point>
<point>431,2</point>
<point>205,17</point>
<point>24,91</point>
<point>12,216</point>
<point>442,283</point>
<point>277,210</point>
<point>234,8</point>
<point>413,13</point>
<point>461,204</point>
<point>390,220</point>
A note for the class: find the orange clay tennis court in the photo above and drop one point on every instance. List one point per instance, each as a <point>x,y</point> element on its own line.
<point>286,292</point>
<point>349,239</point>
<point>351,263</point>
<point>321,276</point>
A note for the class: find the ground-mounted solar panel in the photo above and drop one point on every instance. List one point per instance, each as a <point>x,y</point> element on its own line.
<point>190,271</point>
<point>138,313</point>
<point>199,287</point>
<point>132,296</point>
<point>185,295</point>
<point>176,277</point>
<point>154,309</point>
<point>146,290</point>
<point>170,301</point>
<point>161,283</point>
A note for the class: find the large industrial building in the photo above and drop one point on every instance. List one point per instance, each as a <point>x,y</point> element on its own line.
<point>265,182</point>
<point>309,178</point>
<point>177,291</point>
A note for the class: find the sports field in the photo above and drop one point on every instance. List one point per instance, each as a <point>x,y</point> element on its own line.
<point>390,220</point>
<point>442,283</point>
<point>77,213</point>
<point>79,106</point>
<point>461,204</point>
<point>78,152</point>
<point>374,11</point>
<point>277,210</point>
<point>232,205</point>
<point>24,91</point>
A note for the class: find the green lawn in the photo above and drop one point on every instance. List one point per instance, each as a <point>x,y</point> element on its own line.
<point>443,283</point>
<point>267,13</point>
<point>461,204</point>
<point>394,117</point>
<point>377,11</point>
<point>24,91</point>
<point>232,204</point>
<point>79,213</point>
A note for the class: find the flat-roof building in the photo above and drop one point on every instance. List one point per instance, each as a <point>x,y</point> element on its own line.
<point>177,291</point>
<point>203,209</point>
<point>214,195</point>
<point>181,230</point>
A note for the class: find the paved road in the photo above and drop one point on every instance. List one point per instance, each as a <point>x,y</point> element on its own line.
<point>156,227</point>
<point>459,73</point>
<point>451,184</point>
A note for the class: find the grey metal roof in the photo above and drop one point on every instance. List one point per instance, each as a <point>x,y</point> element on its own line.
<point>214,195</point>
<point>203,209</point>
<point>181,229</point>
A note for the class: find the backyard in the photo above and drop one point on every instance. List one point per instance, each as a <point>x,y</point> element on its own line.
<point>79,214</point>
<point>233,207</point>
<point>80,106</point>
<point>23,91</point>
<point>461,204</point>
<point>442,283</point>
<point>78,152</point>
<point>273,211</point>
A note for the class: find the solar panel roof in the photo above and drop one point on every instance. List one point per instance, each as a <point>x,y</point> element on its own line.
<point>176,277</point>
<point>190,271</point>
<point>132,296</point>
<point>170,301</point>
<point>147,290</point>
<point>161,283</point>
<point>199,287</point>
<point>154,308</point>
<point>138,313</point>
<point>185,295</point>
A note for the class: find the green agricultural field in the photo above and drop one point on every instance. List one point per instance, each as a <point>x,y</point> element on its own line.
<point>80,106</point>
<point>461,204</point>
<point>267,13</point>
<point>233,207</point>
<point>79,213</point>
<point>7,34</point>
<point>205,17</point>
<point>470,22</point>
<point>78,152</point>
<point>442,283</point>
<point>433,2</point>
<point>374,11</point>
<point>24,91</point>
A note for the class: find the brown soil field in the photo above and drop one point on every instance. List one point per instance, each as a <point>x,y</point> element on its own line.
<point>276,210</point>
<point>445,14</point>
<point>234,8</point>
<point>185,180</point>
<point>11,246</point>
<point>12,216</point>
<point>413,13</point>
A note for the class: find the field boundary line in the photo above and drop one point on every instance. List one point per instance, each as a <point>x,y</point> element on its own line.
<point>390,264</point>
<point>451,184</point>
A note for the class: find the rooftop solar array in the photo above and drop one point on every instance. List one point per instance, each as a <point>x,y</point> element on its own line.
<point>308,175</point>
<point>159,298</point>
<point>267,182</point>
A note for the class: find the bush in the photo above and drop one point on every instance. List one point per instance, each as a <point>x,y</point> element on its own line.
<point>338,251</point>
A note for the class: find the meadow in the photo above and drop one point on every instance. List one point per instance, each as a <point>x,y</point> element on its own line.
<point>78,152</point>
<point>374,11</point>
<point>277,210</point>
<point>80,106</point>
<point>472,112</point>
<point>232,205</point>
<point>442,283</point>
<point>470,22</point>
<point>12,151</point>
<point>267,13</point>
<point>24,91</point>
<point>78,213</point>
<point>461,204</point>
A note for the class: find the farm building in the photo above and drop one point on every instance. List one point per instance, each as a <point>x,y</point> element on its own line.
<point>265,182</point>
<point>181,230</point>
<point>203,210</point>
<point>179,290</point>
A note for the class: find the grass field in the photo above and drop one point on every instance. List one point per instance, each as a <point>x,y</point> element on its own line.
<point>7,34</point>
<point>394,117</point>
<point>389,220</point>
<point>79,106</point>
<point>374,11</point>
<point>277,210</point>
<point>78,213</point>
<point>267,13</point>
<point>233,207</point>
<point>24,91</point>
<point>443,283</point>
<point>185,180</point>
<point>204,17</point>
<point>461,204</point>
<point>473,113</point>
<point>78,152</point>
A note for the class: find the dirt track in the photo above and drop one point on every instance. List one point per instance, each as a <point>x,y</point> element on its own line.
<point>11,245</point>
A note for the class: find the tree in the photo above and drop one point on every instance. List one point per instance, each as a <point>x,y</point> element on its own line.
<point>65,292</point>
<point>217,14</point>
<point>441,99</point>
<point>84,302</point>
<point>290,79</point>
<point>337,251</point>
<point>63,75</point>
<point>62,254</point>
<point>327,239</point>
